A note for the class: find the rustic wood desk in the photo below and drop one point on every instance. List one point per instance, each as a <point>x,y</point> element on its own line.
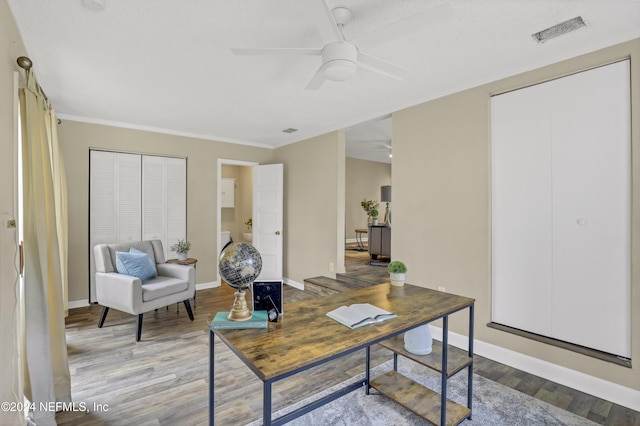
<point>289,347</point>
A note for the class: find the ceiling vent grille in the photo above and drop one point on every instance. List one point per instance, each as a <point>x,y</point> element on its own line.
<point>559,29</point>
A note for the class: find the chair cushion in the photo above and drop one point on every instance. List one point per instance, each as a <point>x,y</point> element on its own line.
<point>136,264</point>
<point>162,286</point>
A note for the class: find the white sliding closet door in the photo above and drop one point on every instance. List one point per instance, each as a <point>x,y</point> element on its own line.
<point>561,209</point>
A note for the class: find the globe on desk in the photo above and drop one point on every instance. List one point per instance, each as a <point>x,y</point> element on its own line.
<point>239,265</point>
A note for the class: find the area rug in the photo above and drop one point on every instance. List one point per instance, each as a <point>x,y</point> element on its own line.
<point>493,404</point>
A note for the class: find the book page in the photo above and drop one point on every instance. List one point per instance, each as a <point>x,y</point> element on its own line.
<point>359,314</point>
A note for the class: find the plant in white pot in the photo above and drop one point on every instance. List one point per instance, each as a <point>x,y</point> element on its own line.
<point>396,270</point>
<point>374,217</point>
<point>182,247</point>
<point>370,206</point>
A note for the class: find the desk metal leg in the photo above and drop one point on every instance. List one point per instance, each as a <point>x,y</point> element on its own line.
<point>443,387</point>
<point>211,376</point>
<point>470,368</point>
<point>266,403</point>
<point>367,366</point>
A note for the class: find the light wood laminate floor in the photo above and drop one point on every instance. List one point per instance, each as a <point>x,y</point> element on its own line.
<point>163,379</point>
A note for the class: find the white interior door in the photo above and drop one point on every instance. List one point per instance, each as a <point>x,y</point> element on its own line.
<point>267,218</point>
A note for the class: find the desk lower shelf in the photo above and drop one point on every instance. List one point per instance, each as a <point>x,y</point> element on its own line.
<point>457,360</point>
<point>417,398</point>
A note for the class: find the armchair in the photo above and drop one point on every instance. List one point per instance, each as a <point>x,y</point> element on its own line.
<point>173,283</point>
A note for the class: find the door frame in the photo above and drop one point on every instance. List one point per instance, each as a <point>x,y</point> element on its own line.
<point>227,162</point>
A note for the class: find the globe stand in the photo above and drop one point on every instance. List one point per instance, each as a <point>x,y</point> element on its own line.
<point>239,311</point>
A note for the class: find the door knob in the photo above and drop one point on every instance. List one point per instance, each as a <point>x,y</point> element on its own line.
<point>277,232</point>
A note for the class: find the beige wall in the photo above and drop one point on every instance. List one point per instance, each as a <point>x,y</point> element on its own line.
<point>233,219</point>
<point>363,180</point>
<point>313,206</point>
<point>11,48</point>
<point>441,176</point>
<point>76,138</point>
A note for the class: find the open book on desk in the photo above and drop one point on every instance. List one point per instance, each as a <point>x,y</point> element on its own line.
<point>359,314</point>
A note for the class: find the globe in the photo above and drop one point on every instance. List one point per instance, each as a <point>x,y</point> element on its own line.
<point>240,264</point>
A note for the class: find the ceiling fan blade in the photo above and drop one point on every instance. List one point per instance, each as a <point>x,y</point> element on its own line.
<point>404,27</point>
<point>323,20</point>
<point>316,81</point>
<point>382,67</point>
<point>284,51</point>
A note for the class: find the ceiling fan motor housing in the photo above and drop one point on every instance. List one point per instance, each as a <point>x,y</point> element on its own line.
<point>339,61</point>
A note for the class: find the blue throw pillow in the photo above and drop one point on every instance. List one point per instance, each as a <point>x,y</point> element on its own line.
<point>136,264</point>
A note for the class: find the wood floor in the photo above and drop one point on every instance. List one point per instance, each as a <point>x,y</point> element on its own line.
<point>163,379</point>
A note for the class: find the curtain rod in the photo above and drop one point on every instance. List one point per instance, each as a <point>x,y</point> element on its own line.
<point>25,62</point>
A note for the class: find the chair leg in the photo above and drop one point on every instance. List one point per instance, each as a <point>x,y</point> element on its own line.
<point>103,316</point>
<point>139,331</point>
<point>187,305</point>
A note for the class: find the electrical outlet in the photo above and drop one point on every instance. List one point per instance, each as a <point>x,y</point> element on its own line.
<point>331,267</point>
<point>11,223</point>
<point>442,289</point>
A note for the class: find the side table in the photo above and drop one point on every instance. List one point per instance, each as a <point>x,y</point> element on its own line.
<point>189,262</point>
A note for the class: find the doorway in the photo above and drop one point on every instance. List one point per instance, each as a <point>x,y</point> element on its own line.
<point>235,220</point>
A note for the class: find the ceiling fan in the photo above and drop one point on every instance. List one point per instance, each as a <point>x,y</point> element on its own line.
<point>340,57</point>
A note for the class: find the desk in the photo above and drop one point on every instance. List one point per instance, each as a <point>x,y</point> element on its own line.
<point>287,347</point>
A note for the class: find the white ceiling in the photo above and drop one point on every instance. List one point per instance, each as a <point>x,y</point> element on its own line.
<point>166,65</point>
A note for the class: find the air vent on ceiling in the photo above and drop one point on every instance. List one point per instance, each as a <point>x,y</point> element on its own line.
<point>290,130</point>
<point>559,29</point>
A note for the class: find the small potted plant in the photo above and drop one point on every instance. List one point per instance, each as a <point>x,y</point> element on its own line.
<point>374,217</point>
<point>396,270</point>
<point>182,247</point>
<point>248,235</point>
<point>370,206</point>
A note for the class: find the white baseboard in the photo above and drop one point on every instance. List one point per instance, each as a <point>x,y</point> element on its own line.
<point>353,240</point>
<point>203,286</point>
<point>77,303</point>
<point>591,385</point>
<point>213,284</point>
<point>294,284</point>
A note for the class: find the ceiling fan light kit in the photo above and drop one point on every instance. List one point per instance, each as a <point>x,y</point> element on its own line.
<point>339,61</point>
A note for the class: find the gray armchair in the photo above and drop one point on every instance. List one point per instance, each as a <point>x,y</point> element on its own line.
<point>173,283</point>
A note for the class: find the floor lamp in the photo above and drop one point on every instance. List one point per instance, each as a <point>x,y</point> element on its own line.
<point>385,196</point>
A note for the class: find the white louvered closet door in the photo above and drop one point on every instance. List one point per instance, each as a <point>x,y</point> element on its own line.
<point>114,202</point>
<point>176,204</point>
<point>164,200</point>
<point>135,197</point>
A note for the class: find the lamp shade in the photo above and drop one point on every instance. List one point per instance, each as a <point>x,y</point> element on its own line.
<point>385,193</point>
